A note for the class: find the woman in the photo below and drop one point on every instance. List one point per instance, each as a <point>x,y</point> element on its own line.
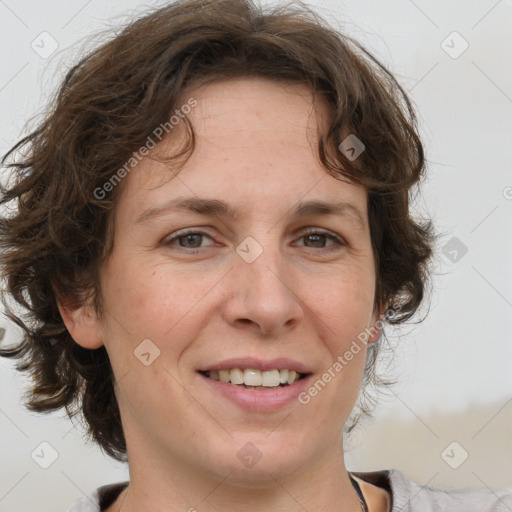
<point>210,230</point>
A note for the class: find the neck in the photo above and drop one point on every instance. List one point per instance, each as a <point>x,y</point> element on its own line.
<point>160,486</point>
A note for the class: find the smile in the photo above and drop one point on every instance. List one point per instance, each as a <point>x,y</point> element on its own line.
<point>251,378</point>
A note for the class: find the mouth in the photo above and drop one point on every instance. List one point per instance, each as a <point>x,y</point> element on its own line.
<point>255,379</point>
<point>256,385</point>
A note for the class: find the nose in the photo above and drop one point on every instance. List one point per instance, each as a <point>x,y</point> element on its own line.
<point>263,296</point>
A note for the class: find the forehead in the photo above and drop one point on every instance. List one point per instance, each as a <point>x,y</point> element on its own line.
<point>256,141</point>
<point>278,103</point>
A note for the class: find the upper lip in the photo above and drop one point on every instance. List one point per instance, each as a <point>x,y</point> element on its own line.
<point>282,363</point>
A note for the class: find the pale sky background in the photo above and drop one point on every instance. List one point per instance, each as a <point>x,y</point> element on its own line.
<point>454,370</point>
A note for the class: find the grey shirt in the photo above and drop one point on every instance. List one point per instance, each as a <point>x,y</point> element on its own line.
<point>406,496</point>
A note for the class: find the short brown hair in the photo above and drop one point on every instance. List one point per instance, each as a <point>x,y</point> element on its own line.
<point>56,234</point>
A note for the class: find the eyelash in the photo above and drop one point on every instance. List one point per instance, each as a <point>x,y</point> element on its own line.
<point>311,231</point>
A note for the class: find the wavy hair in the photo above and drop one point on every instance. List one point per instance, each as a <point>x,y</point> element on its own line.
<point>56,232</point>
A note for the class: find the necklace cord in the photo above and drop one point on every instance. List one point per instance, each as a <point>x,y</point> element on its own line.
<point>360,496</point>
<point>362,501</point>
<point>124,497</point>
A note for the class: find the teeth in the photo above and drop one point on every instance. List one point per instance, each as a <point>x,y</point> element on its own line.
<point>270,379</point>
<point>252,377</point>
<point>256,378</point>
<point>236,376</point>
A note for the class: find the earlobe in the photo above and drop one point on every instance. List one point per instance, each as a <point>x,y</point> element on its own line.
<point>375,334</point>
<point>376,326</point>
<point>82,323</point>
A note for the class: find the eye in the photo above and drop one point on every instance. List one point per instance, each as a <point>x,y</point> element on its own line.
<point>187,240</point>
<point>192,241</point>
<point>317,239</point>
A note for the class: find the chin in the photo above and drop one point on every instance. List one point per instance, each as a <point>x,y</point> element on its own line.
<point>257,459</point>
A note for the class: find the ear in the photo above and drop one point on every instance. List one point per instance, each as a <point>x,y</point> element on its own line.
<point>82,323</point>
<point>376,324</point>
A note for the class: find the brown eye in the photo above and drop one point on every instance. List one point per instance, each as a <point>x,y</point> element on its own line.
<point>319,240</point>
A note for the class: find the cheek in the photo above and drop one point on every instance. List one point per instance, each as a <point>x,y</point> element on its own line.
<point>341,317</point>
<point>147,299</point>
<point>345,305</point>
<point>138,290</point>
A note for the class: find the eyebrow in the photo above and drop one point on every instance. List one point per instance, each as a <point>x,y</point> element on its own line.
<point>218,208</point>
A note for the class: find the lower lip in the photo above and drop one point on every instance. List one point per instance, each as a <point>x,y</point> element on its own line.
<point>259,401</point>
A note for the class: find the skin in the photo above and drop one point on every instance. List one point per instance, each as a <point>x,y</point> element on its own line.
<point>303,297</point>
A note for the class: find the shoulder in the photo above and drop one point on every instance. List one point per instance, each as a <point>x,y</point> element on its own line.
<point>408,496</point>
<point>98,500</point>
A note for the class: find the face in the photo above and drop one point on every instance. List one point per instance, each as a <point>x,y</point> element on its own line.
<point>229,265</point>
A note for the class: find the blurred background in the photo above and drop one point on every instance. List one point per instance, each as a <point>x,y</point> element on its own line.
<point>448,419</point>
